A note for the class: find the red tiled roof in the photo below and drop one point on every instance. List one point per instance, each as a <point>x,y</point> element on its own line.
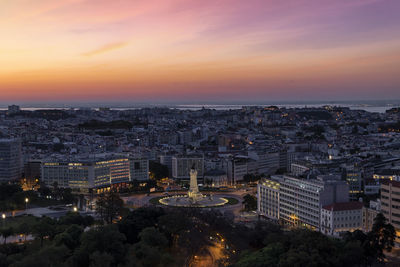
<point>355,205</point>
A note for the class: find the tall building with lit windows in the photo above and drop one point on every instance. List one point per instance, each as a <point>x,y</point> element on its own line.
<point>298,202</point>
<point>301,200</point>
<point>86,174</point>
<point>112,171</point>
<point>355,180</point>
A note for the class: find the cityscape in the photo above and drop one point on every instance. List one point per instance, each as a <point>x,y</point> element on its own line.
<point>199,133</point>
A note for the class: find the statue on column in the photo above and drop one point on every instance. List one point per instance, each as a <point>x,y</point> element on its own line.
<point>194,193</point>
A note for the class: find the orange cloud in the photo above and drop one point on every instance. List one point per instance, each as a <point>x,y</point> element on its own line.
<point>105,49</point>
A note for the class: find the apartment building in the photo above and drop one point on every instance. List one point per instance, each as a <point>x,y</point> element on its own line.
<point>390,201</point>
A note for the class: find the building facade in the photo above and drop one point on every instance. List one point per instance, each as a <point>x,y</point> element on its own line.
<point>387,174</point>
<point>10,159</point>
<point>268,197</point>
<point>369,214</point>
<point>237,168</point>
<point>338,218</point>
<point>32,173</point>
<point>298,202</point>
<point>94,173</point>
<point>390,201</point>
<point>301,200</point>
<point>139,169</point>
<point>298,169</point>
<point>268,162</point>
<point>181,166</point>
<point>355,180</point>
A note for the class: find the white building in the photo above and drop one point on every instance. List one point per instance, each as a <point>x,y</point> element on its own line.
<point>341,217</point>
<point>298,202</point>
<point>268,197</point>
<point>301,200</point>
<point>237,168</point>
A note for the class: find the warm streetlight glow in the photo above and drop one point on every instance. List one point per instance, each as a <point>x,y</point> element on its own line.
<point>3,215</point>
<point>75,209</point>
<point>26,203</point>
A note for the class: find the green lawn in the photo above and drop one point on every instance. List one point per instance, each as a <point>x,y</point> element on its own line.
<point>155,200</point>
<point>232,200</point>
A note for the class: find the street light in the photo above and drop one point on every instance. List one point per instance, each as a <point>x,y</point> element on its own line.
<point>26,202</point>
<point>4,218</point>
<point>75,209</point>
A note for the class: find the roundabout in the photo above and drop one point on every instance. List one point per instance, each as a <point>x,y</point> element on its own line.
<point>186,201</point>
<point>193,198</point>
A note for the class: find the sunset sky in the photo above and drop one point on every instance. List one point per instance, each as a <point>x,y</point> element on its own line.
<point>184,50</point>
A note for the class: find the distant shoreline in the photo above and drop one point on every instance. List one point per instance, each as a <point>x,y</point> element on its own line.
<point>379,108</point>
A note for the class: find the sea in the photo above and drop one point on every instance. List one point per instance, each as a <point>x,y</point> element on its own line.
<point>370,106</point>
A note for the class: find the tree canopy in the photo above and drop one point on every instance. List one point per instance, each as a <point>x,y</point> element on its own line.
<point>155,236</point>
<point>250,202</point>
<point>109,205</point>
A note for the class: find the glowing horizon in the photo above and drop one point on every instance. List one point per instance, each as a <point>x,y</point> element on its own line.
<point>149,50</point>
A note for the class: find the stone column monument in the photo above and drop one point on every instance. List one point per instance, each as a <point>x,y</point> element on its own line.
<point>193,192</point>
